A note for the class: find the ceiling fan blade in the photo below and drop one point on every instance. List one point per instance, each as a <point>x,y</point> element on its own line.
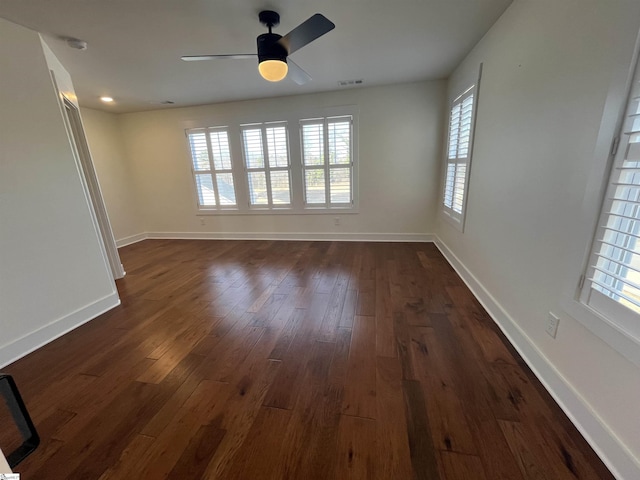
<point>239,56</point>
<point>297,74</point>
<point>306,32</point>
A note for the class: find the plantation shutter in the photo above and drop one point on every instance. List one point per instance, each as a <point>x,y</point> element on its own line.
<point>461,121</point>
<point>327,161</point>
<point>266,154</point>
<point>211,167</point>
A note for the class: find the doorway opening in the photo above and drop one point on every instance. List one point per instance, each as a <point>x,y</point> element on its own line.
<point>92,188</point>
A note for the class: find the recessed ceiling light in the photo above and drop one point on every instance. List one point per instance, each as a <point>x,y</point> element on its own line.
<point>106,99</point>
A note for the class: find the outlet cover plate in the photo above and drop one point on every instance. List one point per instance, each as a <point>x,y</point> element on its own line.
<point>552,325</point>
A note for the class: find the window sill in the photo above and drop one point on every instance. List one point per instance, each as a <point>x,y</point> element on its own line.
<point>621,341</point>
<point>281,211</point>
<point>457,223</point>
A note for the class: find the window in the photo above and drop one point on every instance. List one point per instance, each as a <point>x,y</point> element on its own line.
<point>459,144</point>
<point>268,167</point>
<point>268,176</point>
<point>612,285</point>
<point>212,168</point>
<point>327,162</point>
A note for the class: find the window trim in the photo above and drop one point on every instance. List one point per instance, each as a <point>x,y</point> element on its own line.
<point>454,218</point>
<point>327,166</point>
<point>267,169</point>
<point>623,320</point>
<point>218,207</point>
<point>611,124</point>
<point>292,118</point>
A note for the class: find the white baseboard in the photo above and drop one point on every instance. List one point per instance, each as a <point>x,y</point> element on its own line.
<point>307,236</point>
<point>613,452</point>
<point>21,347</point>
<point>123,242</point>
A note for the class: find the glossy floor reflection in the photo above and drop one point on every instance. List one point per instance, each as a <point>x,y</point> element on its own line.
<point>293,360</point>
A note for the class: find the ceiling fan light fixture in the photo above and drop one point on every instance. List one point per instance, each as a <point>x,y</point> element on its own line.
<point>274,49</point>
<point>273,70</point>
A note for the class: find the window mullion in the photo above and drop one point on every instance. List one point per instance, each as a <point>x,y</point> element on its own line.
<point>214,179</point>
<point>327,182</point>
<point>267,173</point>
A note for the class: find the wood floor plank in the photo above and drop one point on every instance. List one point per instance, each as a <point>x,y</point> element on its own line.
<point>356,450</point>
<point>283,343</point>
<point>224,360</point>
<point>111,387</point>
<point>331,320</point>
<point>472,389</point>
<point>340,361</point>
<point>449,427</point>
<point>128,463</point>
<point>293,360</point>
<point>415,311</point>
<point>531,459</point>
<point>458,466</point>
<point>385,337</point>
<point>392,450</point>
<point>360,388</point>
<point>239,412</point>
<point>261,454</point>
<point>403,345</point>
<point>185,379</point>
<point>60,395</point>
<point>386,344</point>
<point>566,451</point>
<point>311,439</point>
<point>423,453</point>
<point>195,458</point>
<point>349,309</point>
<point>285,389</point>
<point>177,435</point>
<point>47,452</point>
<point>111,432</point>
<point>170,356</point>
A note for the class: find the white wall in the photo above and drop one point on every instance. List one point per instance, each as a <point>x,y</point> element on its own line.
<point>53,275</point>
<point>553,70</point>
<point>399,145</point>
<point>114,172</point>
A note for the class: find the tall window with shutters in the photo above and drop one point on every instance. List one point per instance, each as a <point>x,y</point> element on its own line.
<point>459,145</point>
<point>266,157</point>
<point>612,285</point>
<point>212,168</point>
<point>327,162</point>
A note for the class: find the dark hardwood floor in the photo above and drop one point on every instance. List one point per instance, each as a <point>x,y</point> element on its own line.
<point>292,360</point>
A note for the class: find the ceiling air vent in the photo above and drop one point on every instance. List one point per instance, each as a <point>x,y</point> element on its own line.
<point>348,83</point>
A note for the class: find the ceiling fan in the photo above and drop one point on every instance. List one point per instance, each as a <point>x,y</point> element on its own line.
<point>274,49</point>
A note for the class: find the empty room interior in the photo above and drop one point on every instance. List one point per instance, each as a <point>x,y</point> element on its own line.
<point>320,240</point>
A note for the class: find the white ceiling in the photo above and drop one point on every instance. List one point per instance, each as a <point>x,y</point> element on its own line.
<point>135,45</point>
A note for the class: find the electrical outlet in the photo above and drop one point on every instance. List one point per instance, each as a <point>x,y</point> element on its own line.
<point>202,221</point>
<point>336,221</point>
<point>552,325</point>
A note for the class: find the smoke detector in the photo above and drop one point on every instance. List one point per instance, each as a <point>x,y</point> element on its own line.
<point>77,43</point>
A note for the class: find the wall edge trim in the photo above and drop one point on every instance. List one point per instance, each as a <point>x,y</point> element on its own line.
<point>32,341</point>
<point>305,236</point>
<point>138,237</point>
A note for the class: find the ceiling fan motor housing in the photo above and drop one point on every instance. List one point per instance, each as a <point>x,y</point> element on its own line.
<point>270,49</point>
